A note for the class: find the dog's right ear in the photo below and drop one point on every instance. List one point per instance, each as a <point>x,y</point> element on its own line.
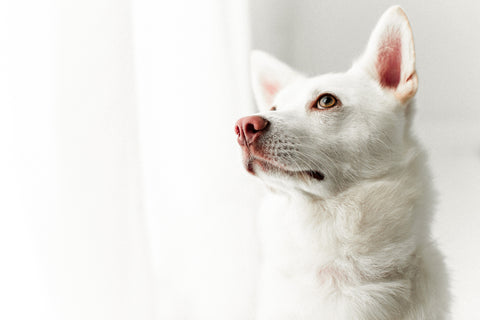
<point>390,55</point>
<point>269,75</point>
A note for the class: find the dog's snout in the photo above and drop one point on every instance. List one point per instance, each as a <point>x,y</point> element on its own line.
<point>248,129</point>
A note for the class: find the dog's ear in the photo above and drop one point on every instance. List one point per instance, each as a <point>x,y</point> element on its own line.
<point>269,76</point>
<point>390,55</point>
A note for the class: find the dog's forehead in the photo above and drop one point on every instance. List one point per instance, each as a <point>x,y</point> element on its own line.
<point>307,90</point>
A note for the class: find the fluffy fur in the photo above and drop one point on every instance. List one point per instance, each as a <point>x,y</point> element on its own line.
<point>352,241</point>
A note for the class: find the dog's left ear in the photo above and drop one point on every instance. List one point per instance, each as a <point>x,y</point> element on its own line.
<point>390,55</point>
<point>269,76</point>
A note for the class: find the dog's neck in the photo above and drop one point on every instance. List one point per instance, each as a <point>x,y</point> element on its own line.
<point>370,230</point>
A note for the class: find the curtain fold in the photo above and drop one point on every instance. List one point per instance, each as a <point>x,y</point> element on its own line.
<point>74,242</point>
<point>192,79</point>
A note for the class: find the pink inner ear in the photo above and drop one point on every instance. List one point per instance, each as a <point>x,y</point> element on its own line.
<point>270,89</point>
<point>389,59</point>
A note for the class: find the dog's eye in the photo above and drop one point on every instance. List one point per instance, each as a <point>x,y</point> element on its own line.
<point>273,108</point>
<point>326,101</point>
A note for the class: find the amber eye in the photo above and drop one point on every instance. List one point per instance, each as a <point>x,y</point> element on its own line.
<point>326,101</point>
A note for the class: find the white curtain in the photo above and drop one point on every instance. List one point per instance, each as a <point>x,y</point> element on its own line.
<point>191,72</point>
<point>122,194</point>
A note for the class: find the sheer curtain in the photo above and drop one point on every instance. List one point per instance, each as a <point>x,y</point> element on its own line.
<point>191,72</point>
<point>121,186</point>
<point>73,240</point>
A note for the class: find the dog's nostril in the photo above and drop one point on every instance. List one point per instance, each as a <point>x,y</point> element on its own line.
<point>250,128</point>
<point>255,124</point>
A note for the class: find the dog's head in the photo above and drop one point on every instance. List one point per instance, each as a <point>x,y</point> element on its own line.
<point>320,135</point>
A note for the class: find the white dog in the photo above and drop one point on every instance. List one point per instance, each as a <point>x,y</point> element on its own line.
<point>345,230</point>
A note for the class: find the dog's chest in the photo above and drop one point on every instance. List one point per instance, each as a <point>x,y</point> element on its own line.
<point>304,270</point>
<point>295,282</point>
<point>293,241</point>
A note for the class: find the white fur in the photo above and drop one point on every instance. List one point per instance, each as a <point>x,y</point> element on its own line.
<point>356,245</point>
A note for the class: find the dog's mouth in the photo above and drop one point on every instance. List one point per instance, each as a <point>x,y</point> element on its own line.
<point>267,166</point>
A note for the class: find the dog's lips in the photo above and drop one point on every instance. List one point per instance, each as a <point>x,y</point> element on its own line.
<point>254,158</point>
<point>268,166</point>
<point>317,175</point>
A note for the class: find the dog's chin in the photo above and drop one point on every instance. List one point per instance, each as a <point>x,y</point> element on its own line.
<point>267,168</point>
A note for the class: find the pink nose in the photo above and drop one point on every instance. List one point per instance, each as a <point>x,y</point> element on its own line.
<point>248,129</point>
